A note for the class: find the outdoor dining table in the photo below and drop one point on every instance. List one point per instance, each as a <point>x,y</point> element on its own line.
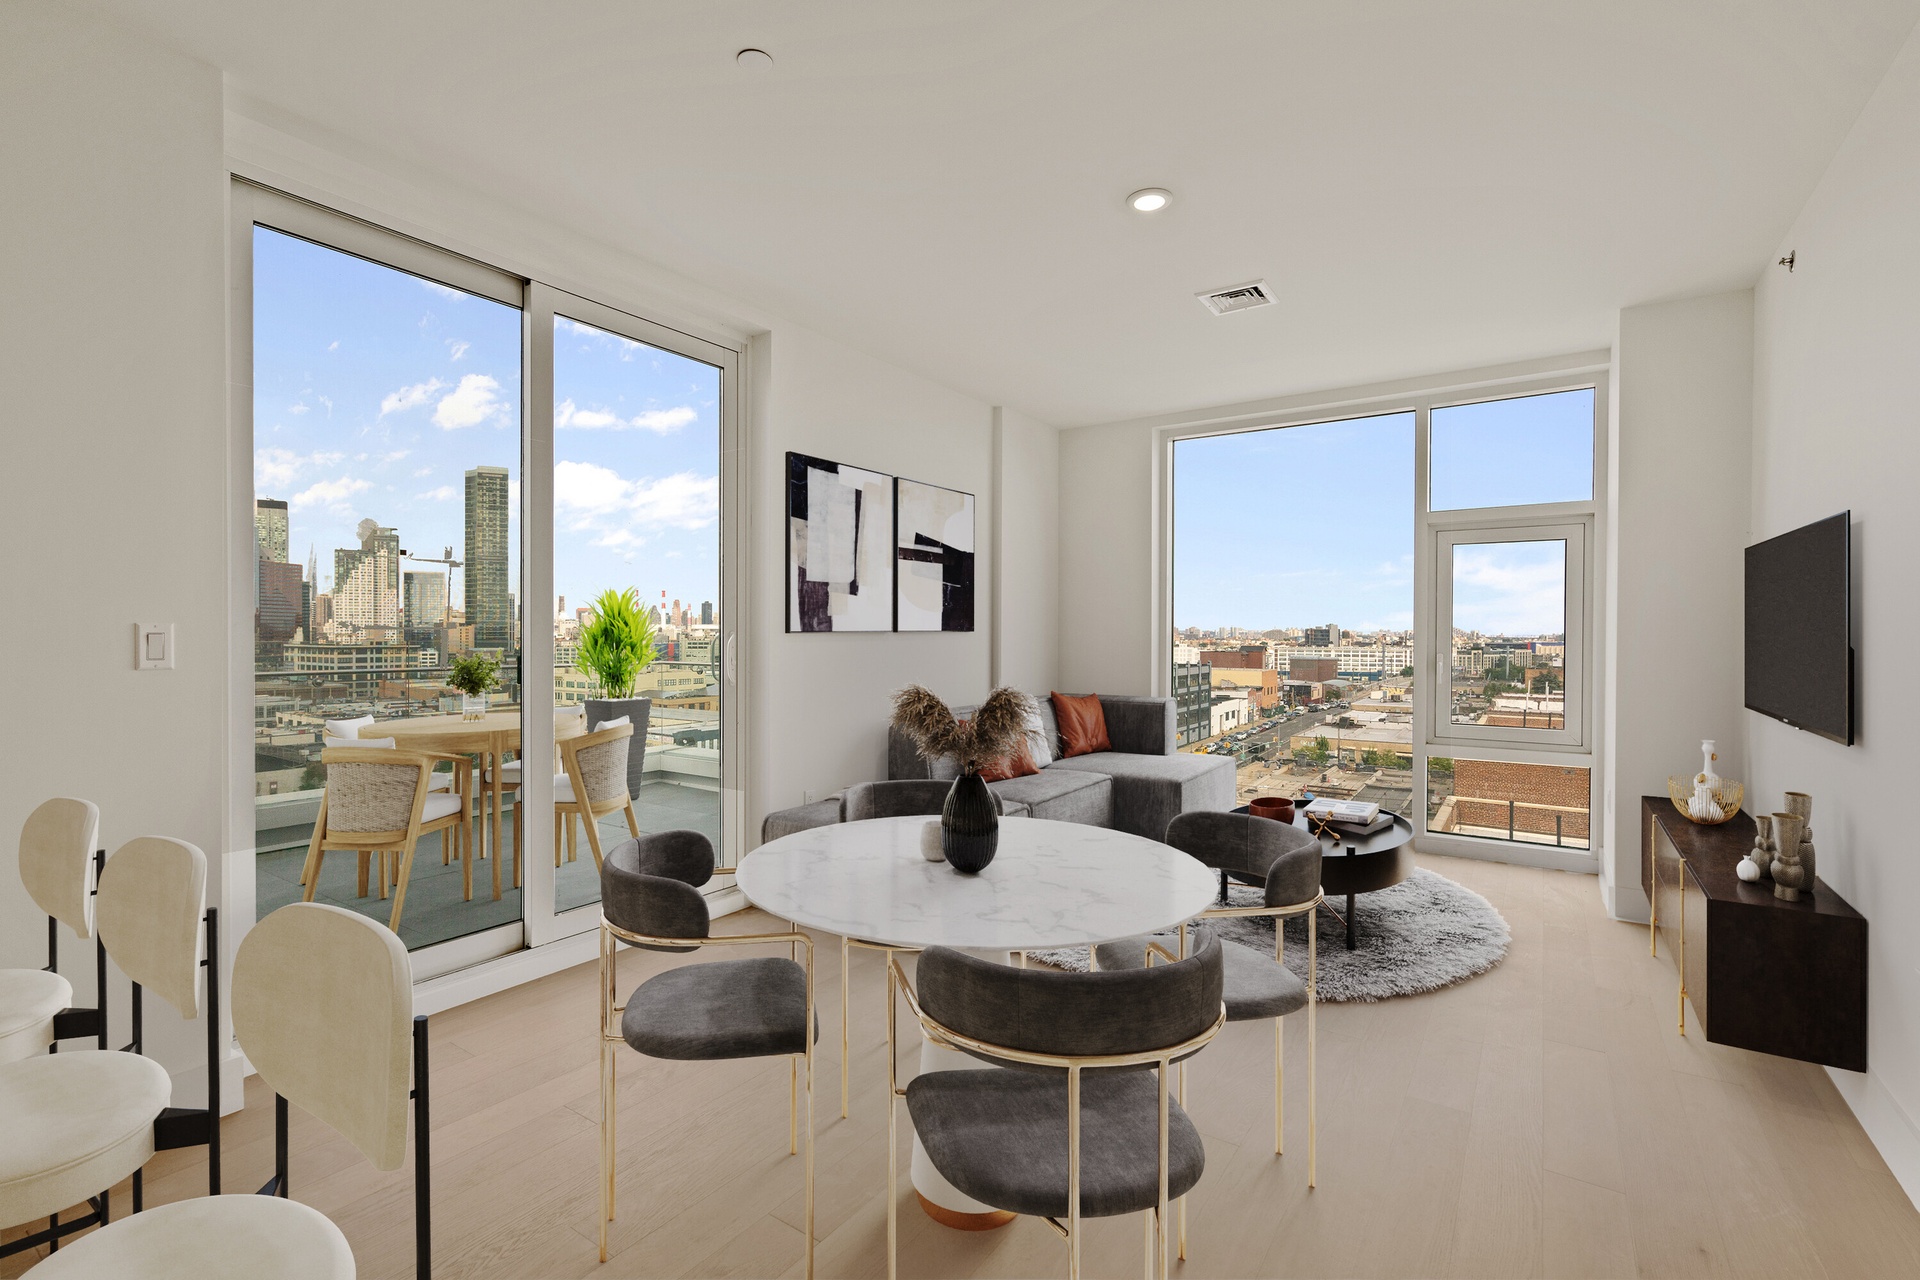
<point>1050,885</point>
<point>488,739</point>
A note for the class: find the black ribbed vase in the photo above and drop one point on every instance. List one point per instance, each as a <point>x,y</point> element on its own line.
<point>969,825</point>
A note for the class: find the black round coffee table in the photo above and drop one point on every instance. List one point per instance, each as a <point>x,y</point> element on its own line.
<point>1352,865</point>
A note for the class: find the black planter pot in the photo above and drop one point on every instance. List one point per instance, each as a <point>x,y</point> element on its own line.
<point>638,710</point>
<point>969,825</point>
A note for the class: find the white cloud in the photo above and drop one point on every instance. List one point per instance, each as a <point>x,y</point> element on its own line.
<point>476,399</point>
<point>410,397</point>
<point>444,290</point>
<point>424,471</point>
<point>593,497</point>
<point>277,468</point>
<point>570,415</point>
<point>665,420</point>
<point>618,539</point>
<point>1513,588</point>
<point>296,408</point>
<point>329,493</point>
<point>457,347</point>
<point>395,456</point>
<point>334,345</point>
<point>444,493</point>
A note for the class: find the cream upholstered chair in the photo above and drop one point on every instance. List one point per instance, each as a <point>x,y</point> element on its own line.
<point>593,782</point>
<point>339,1040</point>
<point>57,866</point>
<point>77,1123</point>
<point>377,802</point>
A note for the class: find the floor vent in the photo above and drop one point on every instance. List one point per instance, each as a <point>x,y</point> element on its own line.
<point>1240,297</point>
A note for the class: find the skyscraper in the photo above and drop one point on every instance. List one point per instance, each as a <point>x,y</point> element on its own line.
<point>281,600</point>
<point>423,604</point>
<point>366,582</point>
<point>270,529</point>
<point>489,604</point>
<point>706,613</point>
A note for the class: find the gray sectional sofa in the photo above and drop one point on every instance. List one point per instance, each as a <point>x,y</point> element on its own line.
<point>1139,786</point>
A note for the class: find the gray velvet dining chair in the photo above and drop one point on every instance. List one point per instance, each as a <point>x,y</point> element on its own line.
<point>760,1007</point>
<point>1285,862</point>
<point>899,798</point>
<point>1076,1127</point>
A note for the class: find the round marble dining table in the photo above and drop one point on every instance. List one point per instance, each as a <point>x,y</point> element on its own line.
<point>1050,885</point>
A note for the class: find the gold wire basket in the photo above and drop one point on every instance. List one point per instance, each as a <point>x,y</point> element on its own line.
<point>1726,793</point>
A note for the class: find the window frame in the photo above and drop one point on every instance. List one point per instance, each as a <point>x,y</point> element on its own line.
<point>1420,396</point>
<point>252,202</point>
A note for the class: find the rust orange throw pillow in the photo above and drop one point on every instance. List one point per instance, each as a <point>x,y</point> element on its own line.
<point>1018,765</point>
<point>1083,725</point>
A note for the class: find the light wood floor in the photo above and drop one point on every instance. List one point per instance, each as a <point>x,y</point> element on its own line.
<point>1541,1120</point>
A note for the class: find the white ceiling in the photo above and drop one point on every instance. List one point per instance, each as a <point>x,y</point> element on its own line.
<point>1426,185</point>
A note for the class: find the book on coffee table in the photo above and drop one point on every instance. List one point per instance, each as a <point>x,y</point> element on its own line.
<point>1343,810</point>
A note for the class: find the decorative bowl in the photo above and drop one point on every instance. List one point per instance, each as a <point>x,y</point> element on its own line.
<point>1727,794</point>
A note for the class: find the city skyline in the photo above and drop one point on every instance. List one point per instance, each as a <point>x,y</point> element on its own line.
<point>375,392</point>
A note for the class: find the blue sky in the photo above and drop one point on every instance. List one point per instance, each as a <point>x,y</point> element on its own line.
<point>375,391</point>
<point>1299,526</point>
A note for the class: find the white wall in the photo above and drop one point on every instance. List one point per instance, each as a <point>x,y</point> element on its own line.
<point>1677,489</point>
<point>1837,344</point>
<point>113,494</point>
<point>822,700</point>
<point>1107,530</point>
<point>1026,553</point>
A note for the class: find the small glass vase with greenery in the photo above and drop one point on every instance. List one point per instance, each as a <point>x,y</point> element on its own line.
<point>616,643</point>
<point>473,674</point>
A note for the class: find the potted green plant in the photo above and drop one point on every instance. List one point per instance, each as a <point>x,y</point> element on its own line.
<point>616,645</point>
<point>473,674</point>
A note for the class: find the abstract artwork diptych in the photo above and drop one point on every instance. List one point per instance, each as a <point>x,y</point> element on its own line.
<point>934,558</point>
<point>868,552</point>
<point>839,547</point>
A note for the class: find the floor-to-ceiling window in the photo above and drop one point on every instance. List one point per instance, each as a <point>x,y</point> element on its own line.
<point>1398,607</point>
<point>450,463</point>
<point>1293,606</point>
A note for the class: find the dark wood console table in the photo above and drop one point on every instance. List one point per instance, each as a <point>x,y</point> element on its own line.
<point>1787,978</point>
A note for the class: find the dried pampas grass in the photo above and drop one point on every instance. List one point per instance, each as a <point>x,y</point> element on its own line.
<point>994,732</point>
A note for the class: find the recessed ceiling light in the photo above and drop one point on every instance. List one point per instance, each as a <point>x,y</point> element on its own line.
<point>754,59</point>
<point>1150,200</point>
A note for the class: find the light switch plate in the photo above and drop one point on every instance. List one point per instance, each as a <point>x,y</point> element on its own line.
<point>153,646</point>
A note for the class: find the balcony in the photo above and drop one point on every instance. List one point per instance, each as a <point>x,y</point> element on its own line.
<point>680,790</point>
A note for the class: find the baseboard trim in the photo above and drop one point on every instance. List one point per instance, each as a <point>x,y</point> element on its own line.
<point>1888,1126</point>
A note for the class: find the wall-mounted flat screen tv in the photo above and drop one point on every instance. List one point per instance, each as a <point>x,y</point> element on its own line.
<point>1800,628</point>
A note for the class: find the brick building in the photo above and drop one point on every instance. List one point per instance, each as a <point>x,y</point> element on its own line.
<point>1529,799</point>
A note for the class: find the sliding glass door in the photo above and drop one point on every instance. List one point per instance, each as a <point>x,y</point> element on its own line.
<point>638,606</point>
<point>451,465</point>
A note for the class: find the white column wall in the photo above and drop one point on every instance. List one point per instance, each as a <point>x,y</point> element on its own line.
<point>1834,429</point>
<point>1677,458</point>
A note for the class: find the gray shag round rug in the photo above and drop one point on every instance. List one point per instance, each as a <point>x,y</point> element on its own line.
<point>1422,934</point>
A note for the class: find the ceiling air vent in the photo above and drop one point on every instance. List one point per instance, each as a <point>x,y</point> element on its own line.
<point>1239,297</point>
